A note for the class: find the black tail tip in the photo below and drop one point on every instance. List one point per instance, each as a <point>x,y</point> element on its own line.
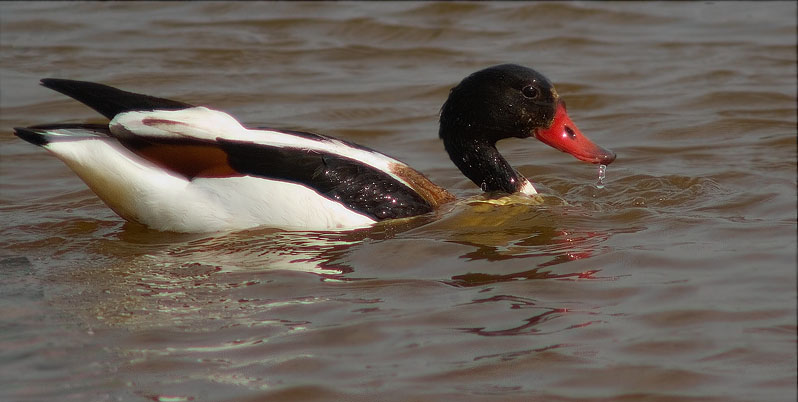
<point>32,136</point>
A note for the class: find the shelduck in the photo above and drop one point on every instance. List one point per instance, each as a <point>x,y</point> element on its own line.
<point>173,166</point>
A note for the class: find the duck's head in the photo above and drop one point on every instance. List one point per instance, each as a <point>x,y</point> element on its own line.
<point>508,101</point>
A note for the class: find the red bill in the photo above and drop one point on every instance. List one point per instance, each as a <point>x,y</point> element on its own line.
<point>565,136</point>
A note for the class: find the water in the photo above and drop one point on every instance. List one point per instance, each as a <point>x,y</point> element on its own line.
<point>674,282</point>
<point>602,174</point>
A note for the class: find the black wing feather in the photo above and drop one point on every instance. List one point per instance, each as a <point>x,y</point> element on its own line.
<point>110,101</point>
<point>357,186</point>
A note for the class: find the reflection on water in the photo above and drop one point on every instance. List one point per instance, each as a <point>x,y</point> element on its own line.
<point>186,279</point>
<point>531,325</point>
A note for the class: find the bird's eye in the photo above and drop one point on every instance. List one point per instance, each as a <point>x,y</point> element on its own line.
<point>530,91</point>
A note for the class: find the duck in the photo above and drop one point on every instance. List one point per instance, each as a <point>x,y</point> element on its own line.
<point>174,166</point>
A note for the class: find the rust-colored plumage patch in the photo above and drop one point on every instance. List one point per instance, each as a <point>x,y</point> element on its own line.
<point>190,160</point>
<point>162,122</point>
<point>434,194</point>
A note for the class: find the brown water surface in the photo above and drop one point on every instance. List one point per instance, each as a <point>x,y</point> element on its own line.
<point>677,281</point>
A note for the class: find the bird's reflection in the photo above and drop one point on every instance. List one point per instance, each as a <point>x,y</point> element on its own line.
<point>540,231</point>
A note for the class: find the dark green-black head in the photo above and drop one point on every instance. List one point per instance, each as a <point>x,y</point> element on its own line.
<point>506,101</point>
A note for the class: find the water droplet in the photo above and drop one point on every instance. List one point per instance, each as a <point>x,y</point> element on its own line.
<point>601,174</point>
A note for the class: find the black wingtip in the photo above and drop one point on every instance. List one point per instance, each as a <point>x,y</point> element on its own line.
<point>50,82</point>
<point>107,100</point>
<point>66,86</point>
<point>32,136</point>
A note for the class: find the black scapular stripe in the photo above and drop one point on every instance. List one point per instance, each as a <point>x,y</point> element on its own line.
<point>110,101</point>
<point>357,186</point>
